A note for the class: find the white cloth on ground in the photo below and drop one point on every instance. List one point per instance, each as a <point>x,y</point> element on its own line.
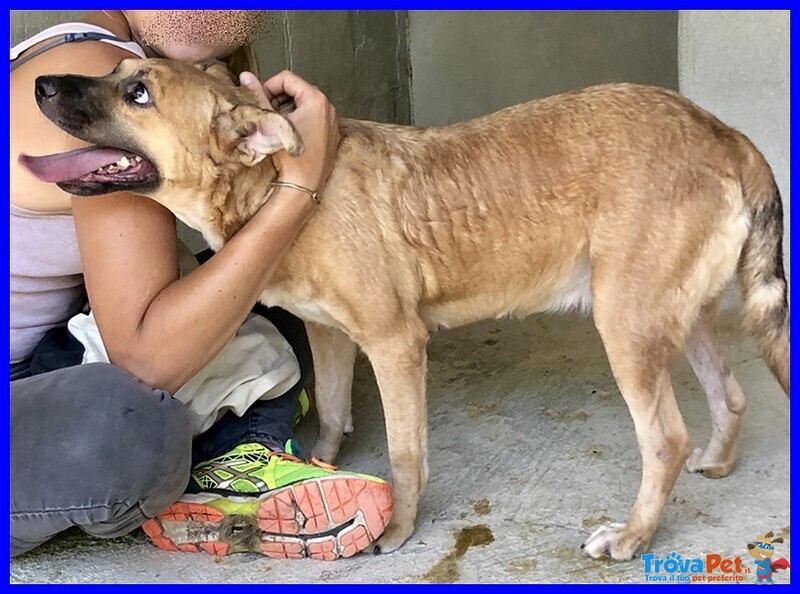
<point>258,363</point>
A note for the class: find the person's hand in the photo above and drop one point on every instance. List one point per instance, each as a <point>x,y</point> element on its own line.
<point>315,120</point>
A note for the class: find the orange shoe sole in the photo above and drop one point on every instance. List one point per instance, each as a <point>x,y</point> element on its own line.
<point>323,519</point>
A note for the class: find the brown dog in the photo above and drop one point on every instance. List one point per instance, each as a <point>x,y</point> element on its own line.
<point>625,199</point>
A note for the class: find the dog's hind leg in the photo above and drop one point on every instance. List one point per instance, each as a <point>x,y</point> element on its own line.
<point>400,363</point>
<point>640,354</point>
<point>726,400</point>
<point>334,356</point>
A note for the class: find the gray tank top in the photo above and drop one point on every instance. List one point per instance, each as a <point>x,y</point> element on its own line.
<point>46,274</point>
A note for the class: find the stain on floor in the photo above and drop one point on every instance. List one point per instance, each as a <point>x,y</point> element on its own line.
<point>523,566</point>
<point>592,523</point>
<point>566,417</point>
<point>482,507</point>
<point>446,570</point>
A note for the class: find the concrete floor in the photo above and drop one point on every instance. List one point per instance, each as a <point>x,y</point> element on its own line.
<point>531,447</point>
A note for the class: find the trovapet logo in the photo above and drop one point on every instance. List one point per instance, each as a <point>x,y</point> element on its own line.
<point>714,567</point>
<point>710,568</point>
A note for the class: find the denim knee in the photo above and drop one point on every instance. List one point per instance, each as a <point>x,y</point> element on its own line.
<point>152,437</point>
<point>94,447</point>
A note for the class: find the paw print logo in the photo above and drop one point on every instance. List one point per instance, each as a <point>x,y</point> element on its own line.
<point>672,562</point>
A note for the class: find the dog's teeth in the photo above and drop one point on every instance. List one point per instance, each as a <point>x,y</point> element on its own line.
<point>137,159</point>
<point>101,170</point>
<point>113,168</point>
<point>123,163</point>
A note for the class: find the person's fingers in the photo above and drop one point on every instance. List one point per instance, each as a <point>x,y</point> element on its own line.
<point>316,121</point>
<point>282,84</point>
<point>283,102</point>
<point>288,83</point>
<point>250,80</point>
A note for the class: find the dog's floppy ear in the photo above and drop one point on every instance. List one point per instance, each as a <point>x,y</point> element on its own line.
<point>751,546</point>
<point>218,70</point>
<point>255,133</point>
<point>774,540</point>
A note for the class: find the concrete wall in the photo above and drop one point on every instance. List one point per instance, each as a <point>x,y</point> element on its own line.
<point>359,58</point>
<point>25,23</point>
<point>468,63</point>
<point>736,65</point>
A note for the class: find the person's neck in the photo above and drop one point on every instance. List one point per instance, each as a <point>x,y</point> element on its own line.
<point>113,20</point>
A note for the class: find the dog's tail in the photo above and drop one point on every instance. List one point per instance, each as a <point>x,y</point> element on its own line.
<point>761,274</point>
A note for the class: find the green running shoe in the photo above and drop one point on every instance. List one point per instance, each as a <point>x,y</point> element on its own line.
<point>303,406</point>
<point>257,500</point>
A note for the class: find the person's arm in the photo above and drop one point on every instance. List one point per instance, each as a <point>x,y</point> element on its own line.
<point>162,328</point>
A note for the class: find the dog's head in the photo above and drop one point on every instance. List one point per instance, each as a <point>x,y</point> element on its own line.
<point>764,546</point>
<point>167,130</point>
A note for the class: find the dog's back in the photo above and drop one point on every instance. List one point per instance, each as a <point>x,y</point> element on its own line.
<point>624,197</point>
<point>515,212</point>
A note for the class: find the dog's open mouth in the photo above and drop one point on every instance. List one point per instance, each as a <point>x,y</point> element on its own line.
<point>93,170</point>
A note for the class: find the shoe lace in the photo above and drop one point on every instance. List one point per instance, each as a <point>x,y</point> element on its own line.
<point>291,458</point>
<point>317,462</point>
<point>284,456</point>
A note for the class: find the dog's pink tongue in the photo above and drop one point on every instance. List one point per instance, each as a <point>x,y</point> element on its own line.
<point>71,165</point>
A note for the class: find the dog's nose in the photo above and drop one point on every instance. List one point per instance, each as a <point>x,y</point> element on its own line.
<point>46,87</point>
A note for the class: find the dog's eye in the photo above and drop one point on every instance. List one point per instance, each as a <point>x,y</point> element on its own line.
<point>138,93</point>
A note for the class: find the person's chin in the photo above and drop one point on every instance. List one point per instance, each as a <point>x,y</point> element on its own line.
<point>193,53</point>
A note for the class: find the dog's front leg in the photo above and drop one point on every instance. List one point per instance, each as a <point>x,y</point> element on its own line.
<point>334,356</point>
<point>400,369</point>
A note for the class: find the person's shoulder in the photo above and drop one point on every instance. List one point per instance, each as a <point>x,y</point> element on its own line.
<point>32,132</point>
<point>89,58</point>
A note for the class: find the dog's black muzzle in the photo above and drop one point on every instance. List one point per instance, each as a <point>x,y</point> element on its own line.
<point>76,104</point>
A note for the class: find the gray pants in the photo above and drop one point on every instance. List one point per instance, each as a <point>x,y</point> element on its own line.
<point>91,446</point>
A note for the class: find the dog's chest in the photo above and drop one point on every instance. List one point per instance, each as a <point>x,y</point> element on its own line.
<point>309,311</point>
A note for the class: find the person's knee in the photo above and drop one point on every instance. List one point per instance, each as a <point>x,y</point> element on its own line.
<point>143,435</point>
<point>118,450</point>
<point>154,437</point>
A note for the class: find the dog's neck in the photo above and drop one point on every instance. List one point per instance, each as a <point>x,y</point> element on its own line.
<point>237,196</point>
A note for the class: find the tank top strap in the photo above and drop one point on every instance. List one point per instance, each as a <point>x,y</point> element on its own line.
<point>73,28</point>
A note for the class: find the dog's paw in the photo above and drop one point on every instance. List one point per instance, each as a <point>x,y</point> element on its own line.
<point>613,542</point>
<point>325,451</point>
<point>698,462</point>
<point>392,539</point>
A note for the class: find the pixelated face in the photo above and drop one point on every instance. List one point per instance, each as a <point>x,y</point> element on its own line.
<point>196,35</point>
